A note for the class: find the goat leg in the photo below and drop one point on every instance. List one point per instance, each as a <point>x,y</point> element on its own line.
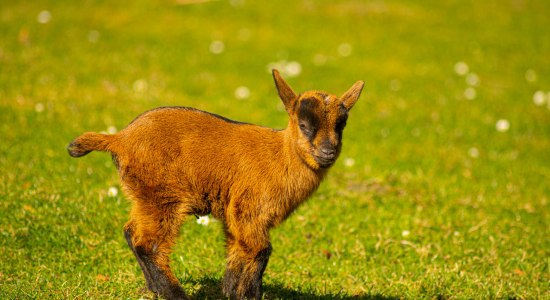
<point>250,282</point>
<point>151,285</point>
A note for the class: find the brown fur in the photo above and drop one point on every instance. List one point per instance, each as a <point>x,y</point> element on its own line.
<point>176,161</point>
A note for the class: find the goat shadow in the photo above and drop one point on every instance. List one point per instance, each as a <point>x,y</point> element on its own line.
<point>210,288</point>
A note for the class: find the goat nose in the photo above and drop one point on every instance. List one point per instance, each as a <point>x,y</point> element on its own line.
<point>328,151</point>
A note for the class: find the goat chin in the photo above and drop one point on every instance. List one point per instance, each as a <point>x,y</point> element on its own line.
<point>179,161</point>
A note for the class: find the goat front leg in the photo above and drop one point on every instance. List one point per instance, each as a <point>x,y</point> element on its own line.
<point>250,282</point>
<point>248,255</point>
<point>234,266</point>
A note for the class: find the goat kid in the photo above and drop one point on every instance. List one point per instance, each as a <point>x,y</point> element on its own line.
<point>177,161</point>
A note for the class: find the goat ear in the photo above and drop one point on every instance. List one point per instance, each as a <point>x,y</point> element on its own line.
<point>285,91</point>
<point>349,98</point>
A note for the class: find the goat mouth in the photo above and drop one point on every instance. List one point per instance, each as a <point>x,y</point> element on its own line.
<point>325,162</point>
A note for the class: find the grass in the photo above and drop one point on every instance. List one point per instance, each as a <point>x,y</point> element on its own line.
<point>433,201</point>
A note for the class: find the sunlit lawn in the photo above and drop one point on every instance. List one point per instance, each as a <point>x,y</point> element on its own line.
<point>441,190</point>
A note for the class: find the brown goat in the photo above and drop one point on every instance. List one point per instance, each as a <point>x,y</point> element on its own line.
<point>177,161</point>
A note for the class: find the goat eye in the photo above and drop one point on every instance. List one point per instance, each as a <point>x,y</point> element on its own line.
<point>307,129</point>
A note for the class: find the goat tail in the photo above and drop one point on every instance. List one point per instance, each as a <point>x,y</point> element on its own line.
<point>88,142</point>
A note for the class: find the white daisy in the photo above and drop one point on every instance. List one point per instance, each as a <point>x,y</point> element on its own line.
<point>502,125</point>
<point>242,92</point>
<point>44,17</point>
<point>461,68</point>
<point>203,220</point>
<point>112,192</point>
<point>539,98</point>
<point>217,47</point>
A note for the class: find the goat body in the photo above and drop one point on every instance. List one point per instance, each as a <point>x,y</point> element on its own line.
<point>179,161</point>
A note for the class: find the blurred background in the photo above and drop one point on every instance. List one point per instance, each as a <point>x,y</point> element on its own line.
<point>441,189</point>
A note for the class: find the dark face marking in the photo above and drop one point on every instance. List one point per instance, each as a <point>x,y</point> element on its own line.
<point>341,122</point>
<point>308,119</point>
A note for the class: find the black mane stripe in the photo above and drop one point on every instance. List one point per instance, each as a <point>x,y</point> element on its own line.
<point>191,109</point>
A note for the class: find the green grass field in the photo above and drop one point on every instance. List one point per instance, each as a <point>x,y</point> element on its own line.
<point>441,190</point>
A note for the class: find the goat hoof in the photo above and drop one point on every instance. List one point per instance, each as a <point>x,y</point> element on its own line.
<point>174,293</point>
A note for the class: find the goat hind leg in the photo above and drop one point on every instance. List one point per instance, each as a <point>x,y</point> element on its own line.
<point>128,232</point>
<point>155,229</point>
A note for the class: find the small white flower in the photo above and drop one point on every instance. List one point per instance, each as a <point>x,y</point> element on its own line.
<point>111,130</point>
<point>461,68</point>
<point>217,47</point>
<point>39,107</point>
<point>293,69</point>
<point>344,49</point>
<point>473,152</point>
<point>112,192</point>
<point>472,79</point>
<point>44,17</point>
<point>242,93</point>
<point>470,93</point>
<point>539,98</point>
<point>502,125</point>
<point>93,36</point>
<point>140,86</point>
<point>456,233</point>
<point>405,233</point>
<point>203,220</point>
<point>349,162</point>
<point>287,68</point>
